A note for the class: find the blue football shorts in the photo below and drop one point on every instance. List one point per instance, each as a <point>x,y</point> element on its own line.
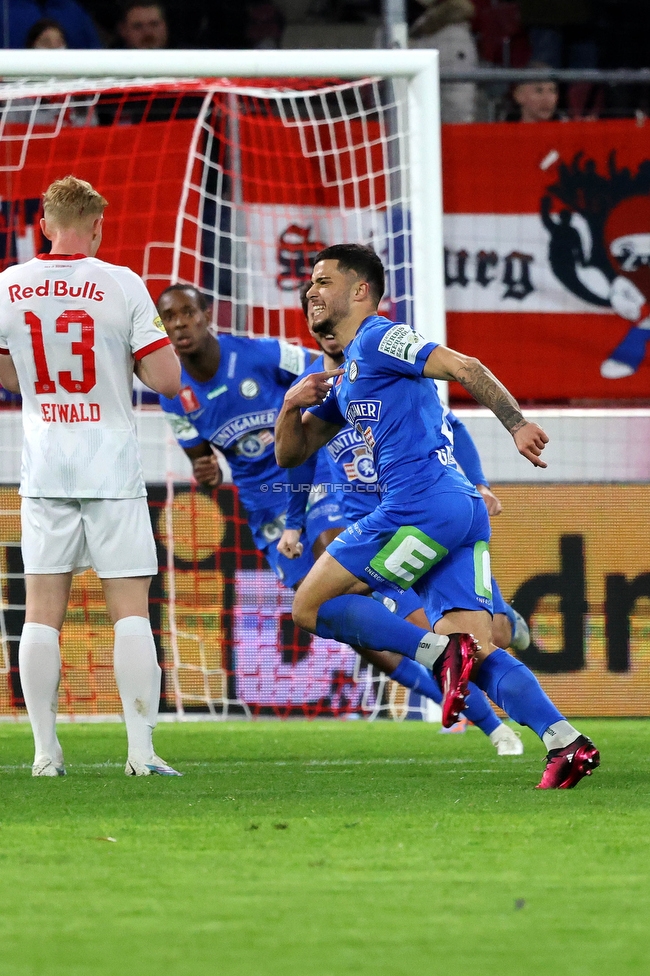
<point>403,606</point>
<point>439,550</point>
<point>324,515</point>
<point>288,571</point>
<point>267,529</point>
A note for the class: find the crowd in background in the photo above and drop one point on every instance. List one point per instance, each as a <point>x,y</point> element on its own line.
<point>558,33</point>
<point>574,34</point>
<point>605,34</point>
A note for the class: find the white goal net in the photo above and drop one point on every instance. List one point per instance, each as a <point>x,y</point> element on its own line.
<point>231,180</point>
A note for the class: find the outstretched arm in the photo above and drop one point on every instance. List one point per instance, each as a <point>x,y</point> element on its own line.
<point>447,364</point>
<point>298,434</point>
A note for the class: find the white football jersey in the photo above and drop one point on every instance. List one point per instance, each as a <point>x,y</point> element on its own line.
<point>73,327</point>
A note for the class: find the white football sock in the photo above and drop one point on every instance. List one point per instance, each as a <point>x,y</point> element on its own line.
<point>39,663</point>
<point>138,680</point>
<point>559,735</point>
<point>430,648</point>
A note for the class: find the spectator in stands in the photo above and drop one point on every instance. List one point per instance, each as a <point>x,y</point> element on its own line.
<point>46,34</point>
<point>535,101</point>
<point>21,15</point>
<point>143,26</point>
<point>445,25</point>
<point>190,23</point>
<point>563,35</point>
<point>500,34</point>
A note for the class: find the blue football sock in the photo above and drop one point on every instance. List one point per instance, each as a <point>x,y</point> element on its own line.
<point>511,685</point>
<point>479,711</point>
<point>356,620</point>
<point>477,708</point>
<point>418,678</point>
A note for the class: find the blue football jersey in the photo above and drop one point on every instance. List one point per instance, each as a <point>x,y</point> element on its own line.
<point>316,471</point>
<point>322,472</point>
<point>397,412</point>
<point>236,411</point>
<point>346,466</point>
<point>465,451</point>
<point>353,466</point>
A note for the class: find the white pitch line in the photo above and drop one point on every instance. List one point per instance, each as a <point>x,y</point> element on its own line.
<point>306,764</point>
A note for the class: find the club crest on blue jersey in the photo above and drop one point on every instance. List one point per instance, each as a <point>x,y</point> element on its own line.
<point>361,467</point>
<point>249,389</point>
<point>253,445</point>
<point>353,371</point>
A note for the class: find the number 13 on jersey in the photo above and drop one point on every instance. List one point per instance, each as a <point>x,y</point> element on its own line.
<point>83,348</point>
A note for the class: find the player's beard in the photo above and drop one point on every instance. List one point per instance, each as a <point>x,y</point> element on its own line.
<point>328,325</point>
<point>324,328</point>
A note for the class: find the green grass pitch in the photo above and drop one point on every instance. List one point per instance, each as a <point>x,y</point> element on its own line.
<point>320,849</point>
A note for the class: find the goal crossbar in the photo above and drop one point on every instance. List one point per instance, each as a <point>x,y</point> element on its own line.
<point>214,64</point>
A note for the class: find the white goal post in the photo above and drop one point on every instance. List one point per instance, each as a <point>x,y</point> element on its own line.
<point>417,70</point>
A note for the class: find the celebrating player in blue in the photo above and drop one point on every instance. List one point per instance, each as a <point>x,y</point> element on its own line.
<point>232,388</point>
<point>431,529</point>
<point>344,473</point>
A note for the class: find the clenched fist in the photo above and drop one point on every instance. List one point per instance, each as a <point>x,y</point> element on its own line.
<point>206,470</point>
<point>531,441</point>
<point>290,544</point>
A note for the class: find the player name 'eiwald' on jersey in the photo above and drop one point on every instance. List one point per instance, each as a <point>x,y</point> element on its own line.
<point>73,327</point>
<point>395,410</point>
<point>236,411</point>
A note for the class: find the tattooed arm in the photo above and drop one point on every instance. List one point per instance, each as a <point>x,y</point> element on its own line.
<point>447,364</point>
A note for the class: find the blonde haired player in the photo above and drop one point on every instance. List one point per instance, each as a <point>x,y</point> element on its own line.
<point>72,331</point>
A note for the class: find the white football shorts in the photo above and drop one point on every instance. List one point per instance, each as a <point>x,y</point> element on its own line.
<point>113,536</point>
